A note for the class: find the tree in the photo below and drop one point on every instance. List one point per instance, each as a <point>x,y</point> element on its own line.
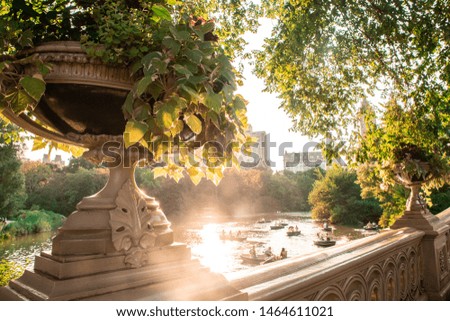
<point>12,194</point>
<point>337,197</point>
<point>325,56</point>
<point>328,58</point>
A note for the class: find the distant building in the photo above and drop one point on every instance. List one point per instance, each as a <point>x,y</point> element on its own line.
<point>303,161</point>
<point>259,152</point>
<point>57,161</point>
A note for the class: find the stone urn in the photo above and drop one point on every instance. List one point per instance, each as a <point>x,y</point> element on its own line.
<point>416,214</point>
<point>414,183</point>
<point>118,239</point>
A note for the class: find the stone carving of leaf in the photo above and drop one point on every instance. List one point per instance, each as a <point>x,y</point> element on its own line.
<point>131,226</point>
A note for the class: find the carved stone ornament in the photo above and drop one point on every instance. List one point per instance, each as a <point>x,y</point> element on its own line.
<point>443,262</point>
<point>131,226</point>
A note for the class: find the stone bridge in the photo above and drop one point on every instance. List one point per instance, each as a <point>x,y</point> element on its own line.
<point>403,263</point>
<point>410,261</point>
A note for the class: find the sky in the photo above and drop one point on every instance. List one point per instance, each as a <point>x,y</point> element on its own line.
<point>263,109</point>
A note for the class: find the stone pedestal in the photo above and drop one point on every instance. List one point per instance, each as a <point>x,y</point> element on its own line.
<point>118,245</point>
<point>436,280</point>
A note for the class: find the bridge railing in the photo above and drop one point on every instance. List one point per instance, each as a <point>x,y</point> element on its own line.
<point>387,266</point>
<point>445,217</point>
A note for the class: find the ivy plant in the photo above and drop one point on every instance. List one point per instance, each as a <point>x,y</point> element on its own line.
<point>184,78</point>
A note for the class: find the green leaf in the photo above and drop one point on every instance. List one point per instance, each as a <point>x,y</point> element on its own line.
<point>20,101</point>
<point>182,70</point>
<point>146,60</point>
<point>201,30</point>
<point>194,123</point>
<point>161,12</point>
<point>194,55</point>
<point>33,86</point>
<point>172,44</point>
<point>195,80</point>
<point>239,102</point>
<point>192,92</point>
<point>213,101</point>
<point>134,131</point>
<point>143,84</point>
<point>128,104</point>
<point>180,35</point>
<point>212,115</point>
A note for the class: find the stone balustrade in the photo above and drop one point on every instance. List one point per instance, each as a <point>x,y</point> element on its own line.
<point>445,217</point>
<point>387,266</point>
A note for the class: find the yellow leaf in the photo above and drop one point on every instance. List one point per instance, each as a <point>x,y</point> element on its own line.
<point>195,174</point>
<point>159,171</point>
<point>39,143</point>
<point>134,131</point>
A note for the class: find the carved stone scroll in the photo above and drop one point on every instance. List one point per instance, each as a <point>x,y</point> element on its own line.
<point>131,226</point>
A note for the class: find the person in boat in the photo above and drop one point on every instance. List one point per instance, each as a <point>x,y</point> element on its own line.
<point>253,251</point>
<point>269,252</point>
<point>283,253</point>
<point>296,228</point>
<point>327,237</point>
<point>238,233</point>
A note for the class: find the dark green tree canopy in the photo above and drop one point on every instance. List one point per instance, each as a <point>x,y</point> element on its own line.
<point>326,57</point>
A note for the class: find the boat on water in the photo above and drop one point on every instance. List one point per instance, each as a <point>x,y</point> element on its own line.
<point>263,220</point>
<point>276,227</point>
<point>324,243</point>
<point>371,226</point>
<point>293,231</point>
<point>258,259</point>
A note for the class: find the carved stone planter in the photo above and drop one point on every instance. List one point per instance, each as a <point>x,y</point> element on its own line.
<point>117,239</point>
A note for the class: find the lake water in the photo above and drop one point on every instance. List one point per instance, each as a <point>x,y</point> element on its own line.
<point>202,234</point>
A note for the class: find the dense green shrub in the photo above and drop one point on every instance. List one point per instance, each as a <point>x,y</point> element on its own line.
<point>34,221</point>
<point>12,193</point>
<point>337,197</point>
<point>60,191</point>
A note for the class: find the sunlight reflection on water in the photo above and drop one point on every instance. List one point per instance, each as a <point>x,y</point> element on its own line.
<point>202,234</point>
<point>224,256</point>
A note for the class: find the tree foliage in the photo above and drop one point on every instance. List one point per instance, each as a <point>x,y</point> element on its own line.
<point>12,193</point>
<point>374,73</point>
<point>60,191</point>
<point>337,197</point>
<point>325,56</point>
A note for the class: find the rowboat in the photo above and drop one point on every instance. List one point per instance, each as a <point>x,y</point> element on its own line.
<point>324,243</point>
<point>258,259</point>
<point>276,227</point>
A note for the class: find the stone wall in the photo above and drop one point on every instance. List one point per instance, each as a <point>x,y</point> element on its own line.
<point>387,266</point>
